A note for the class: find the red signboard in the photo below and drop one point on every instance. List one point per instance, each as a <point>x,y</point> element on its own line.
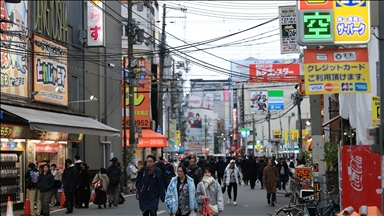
<point>315,4</point>
<point>47,147</point>
<point>274,72</point>
<point>361,174</point>
<point>24,132</point>
<point>226,94</point>
<point>234,124</point>
<point>305,175</point>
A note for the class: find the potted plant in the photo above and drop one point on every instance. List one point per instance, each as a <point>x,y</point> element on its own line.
<point>331,156</point>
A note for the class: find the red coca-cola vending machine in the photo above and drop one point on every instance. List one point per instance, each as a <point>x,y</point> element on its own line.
<point>361,177</point>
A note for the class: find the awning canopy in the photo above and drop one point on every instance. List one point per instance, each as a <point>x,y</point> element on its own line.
<point>331,120</point>
<point>59,122</point>
<point>150,139</point>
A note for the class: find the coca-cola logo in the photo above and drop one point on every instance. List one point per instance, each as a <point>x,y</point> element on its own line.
<point>355,172</point>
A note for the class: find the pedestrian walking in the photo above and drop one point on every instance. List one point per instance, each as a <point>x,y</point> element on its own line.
<point>84,186</point>
<point>220,169</point>
<point>180,198</point>
<point>45,185</point>
<point>150,186</point>
<point>282,168</point>
<point>77,161</point>
<point>251,170</point>
<point>232,179</point>
<point>194,171</point>
<point>101,191</point>
<point>70,178</point>
<point>260,169</point>
<point>31,179</point>
<point>114,175</point>
<point>270,179</point>
<point>55,188</point>
<point>133,175</point>
<point>242,167</point>
<point>210,189</point>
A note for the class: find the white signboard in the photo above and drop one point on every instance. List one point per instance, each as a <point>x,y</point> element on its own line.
<point>287,23</point>
<point>95,23</point>
<point>194,101</point>
<point>259,101</point>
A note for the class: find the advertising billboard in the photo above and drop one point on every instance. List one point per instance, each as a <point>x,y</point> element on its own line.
<point>50,71</point>
<point>274,72</point>
<point>259,101</point>
<point>288,29</point>
<point>14,61</point>
<point>95,24</point>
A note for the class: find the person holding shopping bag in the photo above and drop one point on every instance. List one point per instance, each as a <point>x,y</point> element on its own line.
<point>100,183</point>
<point>180,197</point>
<point>210,189</point>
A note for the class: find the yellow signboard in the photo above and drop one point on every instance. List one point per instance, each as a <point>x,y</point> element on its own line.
<point>177,137</point>
<point>336,71</point>
<point>375,111</point>
<point>351,21</point>
<point>293,135</point>
<point>277,134</point>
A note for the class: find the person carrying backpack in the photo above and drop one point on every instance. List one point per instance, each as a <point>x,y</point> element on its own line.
<point>114,175</point>
<point>31,179</point>
<point>194,171</point>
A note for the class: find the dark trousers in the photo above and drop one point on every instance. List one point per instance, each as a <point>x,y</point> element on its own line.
<point>273,197</point>
<point>220,177</point>
<point>282,180</point>
<point>245,178</point>
<point>261,179</point>
<point>150,213</point>
<point>84,196</point>
<point>69,199</point>
<point>77,197</point>
<point>234,185</point>
<point>252,179</point>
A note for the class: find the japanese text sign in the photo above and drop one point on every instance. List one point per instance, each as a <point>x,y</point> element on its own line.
<point>375,111</point>
<point>50,71</point>
<point>305,175</point>
<point>141,100</point>
<point>95,26</point>
<point>294,135</point>
<point>333,22</point>
<point>336,71</point>
<point>14,59</point>
<point>287,18</point>
<point>274,72</point>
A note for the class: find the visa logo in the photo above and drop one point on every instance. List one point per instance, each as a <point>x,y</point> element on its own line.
<point>316,87</point>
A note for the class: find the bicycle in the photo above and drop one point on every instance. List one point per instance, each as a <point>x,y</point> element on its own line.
<point>301,209</point>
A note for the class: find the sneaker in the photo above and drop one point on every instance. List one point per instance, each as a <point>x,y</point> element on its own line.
<point>234,203</point>
<point>229,201</point>
<point>269,202</point>
<point>273,204</point>
<point>110,204</point>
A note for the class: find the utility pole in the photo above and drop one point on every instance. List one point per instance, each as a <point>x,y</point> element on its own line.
<point>132,79</point>
<point>269,129</point>
<point>289,134</point>
<point>381,66</point>
<point>298,103</point>
<point>254,133</point>
<point>160,78</point>
<point>205,132</point>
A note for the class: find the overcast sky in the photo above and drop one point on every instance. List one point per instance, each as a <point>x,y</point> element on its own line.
<point>206,20</point>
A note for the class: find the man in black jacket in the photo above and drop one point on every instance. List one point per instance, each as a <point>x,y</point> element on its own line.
<point>261,165</point>
<point>114,186</point>
<point>45,185</point>
<point>251,170</point>
<point>220,168</point>
<point>69,179</point>
<point>283,170</point>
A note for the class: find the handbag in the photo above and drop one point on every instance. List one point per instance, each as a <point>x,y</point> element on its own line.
<point>98,184</point>
<point>207,211</point>
<point>214,209</point>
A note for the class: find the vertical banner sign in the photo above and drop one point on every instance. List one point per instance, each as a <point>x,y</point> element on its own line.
<point>141,100</point>
<point>375,111</point>
<point>336,71</point>
<point>276,100</point>
<point>50,71</point>
<point>287,23</point>
<point>259,101</point>
<point>95,26</point>
<point>13,51</point>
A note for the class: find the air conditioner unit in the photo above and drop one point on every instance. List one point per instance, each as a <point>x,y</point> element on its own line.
<point>140,6</point>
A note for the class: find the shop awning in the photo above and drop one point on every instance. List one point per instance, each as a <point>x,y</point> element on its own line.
<point>331,120</point>
<point>59,122</point>
<point>150,139</point>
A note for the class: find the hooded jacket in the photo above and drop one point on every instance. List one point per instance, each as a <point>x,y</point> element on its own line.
<point>228,173</point>
<point>46,181</point>
<point>172,197</point>
<point>104,178</point>
<point>150,187</point>
<point>211,188</point>
<point>70,177</point>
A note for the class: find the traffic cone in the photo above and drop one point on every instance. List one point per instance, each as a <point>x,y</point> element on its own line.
<point>62,200</point>
<point>27,208</point>
<point>9,207</point>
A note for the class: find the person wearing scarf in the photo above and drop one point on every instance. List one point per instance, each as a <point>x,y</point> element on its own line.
<point>211,189</point>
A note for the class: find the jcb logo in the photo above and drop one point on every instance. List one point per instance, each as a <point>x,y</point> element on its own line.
<point>316,1</point>
<point>138,99</point>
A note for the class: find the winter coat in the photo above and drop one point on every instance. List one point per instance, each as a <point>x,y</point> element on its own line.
<point>104,178</point>
<point>261,165</point>
<point>220,167</point>
<point>228,173</point>
<point>150,187</point>
<point>134,171</point>
<point>172,197</point>
<point>211,188</point>
<point>270,178</point>
<point>46,181</point>
<point>112,168</point>
<point>70,177</point>
<point>251,166</point>
<point>284,166</point>
<point>85,179</point>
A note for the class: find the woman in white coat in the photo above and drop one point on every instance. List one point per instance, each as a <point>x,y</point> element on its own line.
<point>211,189</point>
<point>232,179</point>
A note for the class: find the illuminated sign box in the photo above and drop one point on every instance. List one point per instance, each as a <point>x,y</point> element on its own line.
<point>316,27</point>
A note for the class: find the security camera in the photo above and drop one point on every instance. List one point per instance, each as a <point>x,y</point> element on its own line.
<point>111,65</point>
